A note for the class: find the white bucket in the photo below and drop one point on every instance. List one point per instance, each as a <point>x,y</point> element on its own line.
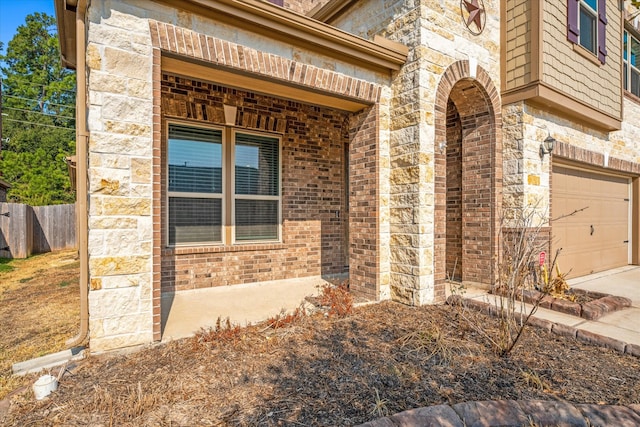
<point>44,386</point>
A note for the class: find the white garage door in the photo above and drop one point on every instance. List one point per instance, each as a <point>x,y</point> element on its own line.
<point>596,238</point>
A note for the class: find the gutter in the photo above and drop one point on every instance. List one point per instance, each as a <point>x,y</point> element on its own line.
<point>82,140</point>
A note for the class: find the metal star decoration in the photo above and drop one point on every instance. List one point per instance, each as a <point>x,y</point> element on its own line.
<point>475,12</point>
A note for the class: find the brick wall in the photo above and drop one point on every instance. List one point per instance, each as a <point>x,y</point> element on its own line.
<point>454,194</point>
<point>313,195</point>
<point>364,253</point>
<point>468,119</point>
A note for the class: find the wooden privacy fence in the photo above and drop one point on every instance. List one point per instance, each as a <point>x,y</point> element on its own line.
<point>26,230</point>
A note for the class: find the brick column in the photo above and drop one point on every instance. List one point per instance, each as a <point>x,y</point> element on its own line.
<point>364,210</point>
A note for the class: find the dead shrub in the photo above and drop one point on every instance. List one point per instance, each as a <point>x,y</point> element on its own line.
<point>283,319</point>
<point>431,341</point>
<point>223,333</point>
<point>338,299</point>
<point>534,381</point>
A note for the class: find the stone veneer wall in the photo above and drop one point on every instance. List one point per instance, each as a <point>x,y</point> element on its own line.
<point>119,66</point>
<point>313,189</point>
<point>437,38</point>
<point>303,6</point>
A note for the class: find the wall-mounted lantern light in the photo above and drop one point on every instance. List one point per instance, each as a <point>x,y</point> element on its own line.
<point>546,147</point>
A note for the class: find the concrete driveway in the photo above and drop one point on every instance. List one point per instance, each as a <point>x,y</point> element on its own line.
<point>622,282</point>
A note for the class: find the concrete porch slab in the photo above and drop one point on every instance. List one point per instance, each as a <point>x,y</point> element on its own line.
<point>185,312</point>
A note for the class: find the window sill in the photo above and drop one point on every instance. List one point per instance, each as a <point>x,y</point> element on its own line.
<point>578,48</point>
<point>632,97</point>
<point>248,247</point>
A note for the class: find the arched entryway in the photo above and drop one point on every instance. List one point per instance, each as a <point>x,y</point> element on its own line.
<point>468,176</point>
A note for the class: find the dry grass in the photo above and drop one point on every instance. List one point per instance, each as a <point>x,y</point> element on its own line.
<point>322,370</point>
<point>39,308</point>
<point>313,368</point>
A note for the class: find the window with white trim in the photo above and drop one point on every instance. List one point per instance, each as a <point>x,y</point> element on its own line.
<point>587,25</point>
<point>631,63</point>
<point>202,206</point>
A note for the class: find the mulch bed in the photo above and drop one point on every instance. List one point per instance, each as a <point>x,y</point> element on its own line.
<point>322,370</point>
<point>589,305</point>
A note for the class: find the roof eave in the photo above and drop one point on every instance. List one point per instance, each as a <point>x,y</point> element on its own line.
<point>274,21</point>
<point>331,10</point>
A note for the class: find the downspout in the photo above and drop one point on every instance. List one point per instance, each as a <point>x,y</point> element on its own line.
<point>82,142</point>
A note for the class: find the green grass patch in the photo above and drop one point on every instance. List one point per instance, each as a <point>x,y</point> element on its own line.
<point>25,280</point>
<point>65,283</point>
<point>5,265</point>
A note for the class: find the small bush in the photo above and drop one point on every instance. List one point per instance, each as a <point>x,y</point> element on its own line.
<point>223,332</point>
<point>282,319</point>
<point>338,299</point>
<point>431,341</point>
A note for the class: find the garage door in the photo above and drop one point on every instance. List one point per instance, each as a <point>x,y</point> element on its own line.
<point>596,238</point>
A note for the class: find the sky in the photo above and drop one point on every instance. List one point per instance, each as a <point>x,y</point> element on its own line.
<point>13,12</point>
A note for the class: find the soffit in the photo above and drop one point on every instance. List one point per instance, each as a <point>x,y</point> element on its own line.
<point>263,18</point>
<point>555,101</point>
<point>246,81</point>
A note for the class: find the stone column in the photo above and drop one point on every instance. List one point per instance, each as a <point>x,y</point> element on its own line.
<point>119,60</point>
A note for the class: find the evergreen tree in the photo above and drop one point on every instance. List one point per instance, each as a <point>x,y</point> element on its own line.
<point>38,106</point>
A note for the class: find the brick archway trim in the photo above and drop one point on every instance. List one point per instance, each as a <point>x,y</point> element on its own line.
<point>181,41</point>
<point>490,96</point>
<point>460,70</point>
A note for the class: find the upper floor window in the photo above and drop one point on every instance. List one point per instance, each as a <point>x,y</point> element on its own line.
<point>587,25</point>
<point>631,67</point>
